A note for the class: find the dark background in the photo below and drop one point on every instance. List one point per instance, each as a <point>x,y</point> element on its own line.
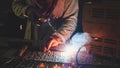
<point>9,23</point>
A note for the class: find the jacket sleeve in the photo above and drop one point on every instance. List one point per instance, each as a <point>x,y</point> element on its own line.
<point>70,15</point>
<point>19,7</point>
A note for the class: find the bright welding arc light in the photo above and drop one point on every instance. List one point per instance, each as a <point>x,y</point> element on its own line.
<point>77,41</point>
<point>80,39</point>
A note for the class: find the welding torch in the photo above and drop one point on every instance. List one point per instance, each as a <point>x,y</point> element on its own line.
<point>40,20</point>
<point>43,20</point>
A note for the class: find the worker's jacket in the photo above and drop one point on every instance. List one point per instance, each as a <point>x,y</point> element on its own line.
<point>65,14</point>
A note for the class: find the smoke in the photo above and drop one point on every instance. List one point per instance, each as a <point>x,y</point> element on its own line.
<point>80,39</point>
<point>77,41</point>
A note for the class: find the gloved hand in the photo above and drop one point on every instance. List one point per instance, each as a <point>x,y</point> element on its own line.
<point>55,41</point>
<point>33,13</point>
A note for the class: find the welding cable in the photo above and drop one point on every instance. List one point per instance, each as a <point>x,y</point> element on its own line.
<point>77,58</point>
